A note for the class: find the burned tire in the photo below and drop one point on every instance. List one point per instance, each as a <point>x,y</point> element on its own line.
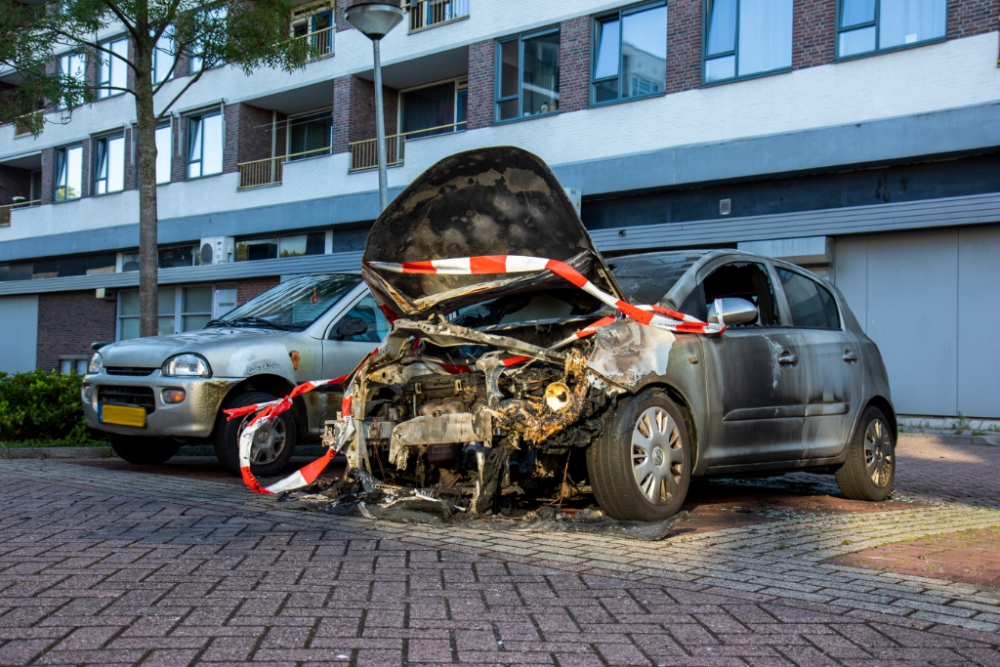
<point>640,465</point>
<point>273,443</point>
<point>870,468</point>
<point>141,450</point>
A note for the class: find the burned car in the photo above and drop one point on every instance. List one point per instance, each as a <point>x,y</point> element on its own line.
<point>520,360</point>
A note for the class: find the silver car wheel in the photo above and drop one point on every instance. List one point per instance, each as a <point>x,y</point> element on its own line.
<point>268,442</point>
<point>657,458</point>
<point>878,453</point>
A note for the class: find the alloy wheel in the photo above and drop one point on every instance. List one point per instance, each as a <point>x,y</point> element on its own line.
<point>268,441</point>
<point>878,453</point>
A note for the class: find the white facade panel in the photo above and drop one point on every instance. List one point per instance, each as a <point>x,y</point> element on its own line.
<point>18,333</point>
<point>979,321</point>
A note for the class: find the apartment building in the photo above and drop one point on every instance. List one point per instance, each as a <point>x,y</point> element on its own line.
<point>859,138</point>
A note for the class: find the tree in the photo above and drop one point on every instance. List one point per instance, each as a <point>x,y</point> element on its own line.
<point>248,34</point>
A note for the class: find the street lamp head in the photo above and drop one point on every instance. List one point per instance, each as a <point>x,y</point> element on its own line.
<point>374,19</point>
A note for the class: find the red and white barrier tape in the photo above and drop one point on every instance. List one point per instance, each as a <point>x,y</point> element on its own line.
<point>490,264</point>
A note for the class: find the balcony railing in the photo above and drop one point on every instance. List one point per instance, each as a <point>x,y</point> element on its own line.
<point>364,154</point>
<point>7,208</point>
<point>320,43</point>
<point>429,13</point>
<point>257,173</point>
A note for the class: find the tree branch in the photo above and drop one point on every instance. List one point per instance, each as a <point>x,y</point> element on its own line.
<point>170,74</point>
<point>121,17</point>
<point>93,45</point>
<point>168,20</point>
<point>190,83</point>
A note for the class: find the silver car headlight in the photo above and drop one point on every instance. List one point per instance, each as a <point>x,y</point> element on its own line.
<point>187,365</point>
<point>96,364</point>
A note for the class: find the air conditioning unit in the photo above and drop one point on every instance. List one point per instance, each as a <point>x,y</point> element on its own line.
<point>216,250</point>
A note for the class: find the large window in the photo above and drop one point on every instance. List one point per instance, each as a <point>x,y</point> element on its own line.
<point>164,148</point>
<point>865,26</point>
<point>528,80</point>
<point>437,108</point>
<point>109,165</point>
<point>284,246</point>
<point>69,173</point>
<point>163,58</point>
<point>310,133</point>
<point>112,75</point>
<point>74,66</point>
<point>204,156</point>
<point>198,61</point>
<point>630,54</point>
<point>180,309</point>
<point>747,37</point>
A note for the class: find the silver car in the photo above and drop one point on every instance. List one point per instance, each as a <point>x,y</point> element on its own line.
<point>152,394</point>
<point>505,373</point>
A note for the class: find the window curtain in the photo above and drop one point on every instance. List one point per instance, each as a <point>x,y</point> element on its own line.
<point>908,21</point>
<point>765,35</point>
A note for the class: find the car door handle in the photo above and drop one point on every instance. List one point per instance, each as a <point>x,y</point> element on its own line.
<point>850,356</point>
<point>788,358</point>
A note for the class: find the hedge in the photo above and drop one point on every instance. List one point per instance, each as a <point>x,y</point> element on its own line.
<point>42,405</point>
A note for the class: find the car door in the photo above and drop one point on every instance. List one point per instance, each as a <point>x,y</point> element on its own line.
<point>754,381</point>
<point>831,360</point>
<point>341,353</point>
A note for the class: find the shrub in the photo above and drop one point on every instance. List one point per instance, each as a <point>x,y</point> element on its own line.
<point>42,405</point>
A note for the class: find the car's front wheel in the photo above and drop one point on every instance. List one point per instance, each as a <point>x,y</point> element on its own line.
<point>142,450</point>
<point>870,468</point>
<point>273,443</point>
<point>640,465</point>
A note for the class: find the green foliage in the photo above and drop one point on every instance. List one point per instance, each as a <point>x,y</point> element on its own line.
<point>42,406</point>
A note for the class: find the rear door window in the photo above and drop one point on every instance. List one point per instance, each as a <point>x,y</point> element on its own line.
<point>811,304</point>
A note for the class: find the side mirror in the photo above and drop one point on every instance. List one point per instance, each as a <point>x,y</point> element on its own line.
<point>734,311</point>
<point>351,326</point>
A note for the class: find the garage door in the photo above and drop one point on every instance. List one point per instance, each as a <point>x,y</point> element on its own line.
<point>930,301</point>
<point>18,333</point>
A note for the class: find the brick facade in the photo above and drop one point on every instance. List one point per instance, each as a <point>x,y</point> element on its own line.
<point>68,322</point>
<point>178,163</point>
<point>482,63</point>
<point>248,289</point>
<point>972,17</point>
<point>574,64</point>
<point>48,175</point>
<point>253,133</point>
<point>814,33</point>
<point>684,45</point>
<point>354,111</point>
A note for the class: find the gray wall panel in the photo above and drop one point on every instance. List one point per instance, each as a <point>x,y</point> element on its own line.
<point>979,321</point>
<point>850,274</point>
<point>18,333</point>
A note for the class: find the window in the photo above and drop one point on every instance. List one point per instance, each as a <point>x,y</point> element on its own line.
<point>528,81</point>
<point>747,37</point>
<point>204,145</point>
<point>743,280</point>
<point>72,65</point>
<point>436,108</point>
<point>630,54</point>
<point>109,165</point>
<point>285,246</point>
<point>812,304</point>
<point>69,173</point>
<point>164,146</point>
<point>319,25</point>
<point>112,76</point>
<point>163,58</point>
<point>180,309</point>
<point>366,310</point>
<point>215,20</point>
<point>865,26</point>
<point>310,133</point>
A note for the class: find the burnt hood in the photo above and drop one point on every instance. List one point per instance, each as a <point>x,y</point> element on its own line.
<point>489,201</point>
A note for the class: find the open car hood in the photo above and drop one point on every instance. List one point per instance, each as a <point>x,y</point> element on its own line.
<point>490,201</point>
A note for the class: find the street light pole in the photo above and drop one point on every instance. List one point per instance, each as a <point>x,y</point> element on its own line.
<point>374,20</point>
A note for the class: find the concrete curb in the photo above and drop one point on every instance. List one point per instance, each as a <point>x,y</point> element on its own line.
<point>992,440</point>
<point>55,452</point>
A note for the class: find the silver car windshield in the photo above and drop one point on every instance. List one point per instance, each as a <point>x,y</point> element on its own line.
<point>646,279</point>
<point>293,305</point>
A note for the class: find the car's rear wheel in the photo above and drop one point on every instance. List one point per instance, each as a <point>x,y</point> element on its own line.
<point>870,468</point>
<point>273,443</point>
<point>142,450</point>
<point>640,465</point>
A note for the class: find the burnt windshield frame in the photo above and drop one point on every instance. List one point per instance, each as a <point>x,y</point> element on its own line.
<point>297,303</point>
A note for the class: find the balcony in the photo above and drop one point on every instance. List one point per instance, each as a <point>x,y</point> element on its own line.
<point>320,43</point>
<point>258,173</point>
<point>430,13</point>
<point>364,154</point>
<point>7,208</point>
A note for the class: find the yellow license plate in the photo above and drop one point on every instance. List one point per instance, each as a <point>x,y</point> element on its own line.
<point>123,415</point>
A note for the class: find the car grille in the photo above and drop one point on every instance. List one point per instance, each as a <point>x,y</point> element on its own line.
<point>138,396</point>
<point>128,370</point>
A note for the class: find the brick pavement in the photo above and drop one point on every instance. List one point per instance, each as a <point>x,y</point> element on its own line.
<point>106,567</point>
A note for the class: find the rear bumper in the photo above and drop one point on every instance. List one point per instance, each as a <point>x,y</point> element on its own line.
<point>194,417</point>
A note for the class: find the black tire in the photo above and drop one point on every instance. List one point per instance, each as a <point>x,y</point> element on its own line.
<point>618,480</point>
<point>264,463</point>
<point>870,468</point>
<point>141,450</point>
